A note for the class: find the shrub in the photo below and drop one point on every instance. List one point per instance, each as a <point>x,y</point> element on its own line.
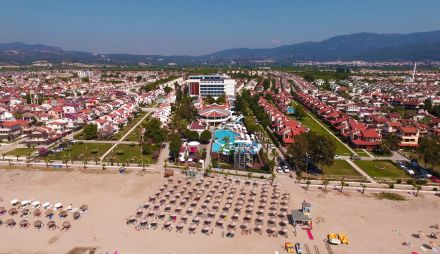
<point>421,182</point>
<point>399,181</point>
<point>119,152</point>
<point>410,181</point>
<point>391,186</point>
<point>94,151</point>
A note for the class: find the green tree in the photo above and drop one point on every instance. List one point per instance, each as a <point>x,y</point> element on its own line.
<point>389,143</point>
<point>322,149</point>
<point>299,112</point>
<point>90,131</point>
<point>154,131</point>
<point>325,182</point>
<point>205,136</point>
<point>175,144</point>
<point>363,187</point>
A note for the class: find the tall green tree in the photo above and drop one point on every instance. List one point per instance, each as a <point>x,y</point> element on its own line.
<point>91,131</point>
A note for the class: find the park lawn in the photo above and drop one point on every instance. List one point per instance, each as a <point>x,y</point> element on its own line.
<point>126,128</point>
<point>314,126</point>
<point>131,154</point>
<point>361,153</point>
<point>380,169</point>
<point>135,135</point>
<point>81,151</point>
<point>21,152</point>
<point>340,168</point>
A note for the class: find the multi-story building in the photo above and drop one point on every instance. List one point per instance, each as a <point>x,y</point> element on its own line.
<point>211,85</point>
<point>409,136</point>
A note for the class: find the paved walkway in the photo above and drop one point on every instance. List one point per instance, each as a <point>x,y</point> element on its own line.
<point>94,141</point>
<point>329,131</point>
<point>358,169</point>
<point>121,140</point>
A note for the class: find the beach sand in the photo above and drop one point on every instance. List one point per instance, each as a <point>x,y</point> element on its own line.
<point>372,225</point>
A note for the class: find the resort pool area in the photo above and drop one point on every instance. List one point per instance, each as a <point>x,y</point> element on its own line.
<point>219,139</point>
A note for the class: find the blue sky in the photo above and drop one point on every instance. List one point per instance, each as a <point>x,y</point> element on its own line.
<point>196,27</point>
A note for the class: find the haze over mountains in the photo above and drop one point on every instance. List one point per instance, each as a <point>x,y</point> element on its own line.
<point>424,46</point>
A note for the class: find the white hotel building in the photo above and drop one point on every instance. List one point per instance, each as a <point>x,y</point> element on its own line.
<point>211,85</point>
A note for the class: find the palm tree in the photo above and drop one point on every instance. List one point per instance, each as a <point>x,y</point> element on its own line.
<point>342,184</point>
<point>363,187</point>
<point>418,187</point>
<point>272,178</point>
<point>85,163</point>
<point>307,184</point>
<point>325,182</point>
<point>249,175</point>
<point>274,153</point>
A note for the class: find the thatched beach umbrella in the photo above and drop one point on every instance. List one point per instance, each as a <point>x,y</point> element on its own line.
<point>24,224</point>
<point>244,225</point>
<point>235,216</point>
<point>25,212</point>
<point>260,211</point>
<point>161,214</point>
<point>220,222</point>
<point>284,222</point>
<point>10,222</point>
<point>66,225</point>
<point>232,225</point>
<point>84,208</point>
<point>51,224</point>
<point>259,218</point>
<point>271,230</point>
<point>37,212</point>
<point>258,227</point>
<point>76,215</point>
<point>247,217</point>
<point>62,214</point>
<point>167,223</point>
<point>38,224</point>
<point>196,219</point>
<point>208,221</point>
<point>13,211</point>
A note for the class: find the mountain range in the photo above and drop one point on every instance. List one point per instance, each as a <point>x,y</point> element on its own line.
<point>423,46</point>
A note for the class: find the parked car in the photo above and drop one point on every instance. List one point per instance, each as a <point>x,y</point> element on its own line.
<point>434,179</point>
<point>279,170</point>
<point>337,157</point>
<point>409,171</point>
<point>286,169</point>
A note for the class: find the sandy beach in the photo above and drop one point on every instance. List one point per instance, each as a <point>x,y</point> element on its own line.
<point>372,225</point>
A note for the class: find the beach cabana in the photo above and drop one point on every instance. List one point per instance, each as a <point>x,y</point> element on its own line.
<point>38,224</point>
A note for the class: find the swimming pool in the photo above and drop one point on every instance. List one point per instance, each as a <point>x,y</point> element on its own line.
<point>219,139</point>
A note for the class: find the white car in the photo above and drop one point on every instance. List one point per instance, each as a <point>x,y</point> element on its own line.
<point>279,170</point>
<point>286,169</point>
<point>337,157</point>
<point>409,171</point>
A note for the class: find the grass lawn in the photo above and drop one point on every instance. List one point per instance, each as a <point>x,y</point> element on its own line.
<point>362,153</point>
<point>136,133</point>
<point>130,154</point>
<point>390,196</point>
<point>314,126</point>
<point>340,168</point>
<point>81,151</point>
<point>381,169</point>
<point>21,152</point>
<point>127,127</point>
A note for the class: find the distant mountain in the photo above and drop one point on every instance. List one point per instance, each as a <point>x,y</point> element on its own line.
<point>361,46</point>
<point>423,46</point>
